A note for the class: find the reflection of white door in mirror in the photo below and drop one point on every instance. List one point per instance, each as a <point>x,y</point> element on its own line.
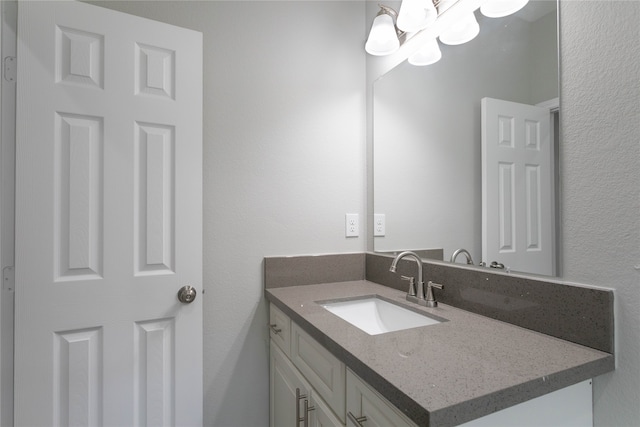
<point>518,224</point>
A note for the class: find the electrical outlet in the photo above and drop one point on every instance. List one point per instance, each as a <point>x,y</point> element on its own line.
<point>352,225</point>
<point>378,225</point>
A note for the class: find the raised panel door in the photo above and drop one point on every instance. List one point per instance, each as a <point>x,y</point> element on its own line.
<point>108,219</point>
<point>287,391</point>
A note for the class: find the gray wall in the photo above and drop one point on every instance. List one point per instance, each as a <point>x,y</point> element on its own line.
<point>600,96</point>
<point>284,160</point>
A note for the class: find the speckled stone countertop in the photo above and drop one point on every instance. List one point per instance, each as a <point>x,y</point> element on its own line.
<point>444,374</point>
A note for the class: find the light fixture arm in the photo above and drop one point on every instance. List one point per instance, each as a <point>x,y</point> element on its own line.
<point>386,10</point>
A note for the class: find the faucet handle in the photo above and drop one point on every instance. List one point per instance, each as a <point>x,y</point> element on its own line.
<point>435,285</point>
<point>430,299</point>
<point>412,284</point>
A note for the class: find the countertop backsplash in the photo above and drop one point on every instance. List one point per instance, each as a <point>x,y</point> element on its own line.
<point>575,313</point>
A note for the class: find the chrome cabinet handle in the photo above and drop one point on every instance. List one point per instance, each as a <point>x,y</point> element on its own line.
<point>275,329</point>
<point>357,421</point>
<point>187,294</point>
<point>307,409</point>
<point>298,398</point>
<point>305,417</point>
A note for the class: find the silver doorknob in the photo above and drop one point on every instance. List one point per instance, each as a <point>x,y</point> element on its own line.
<point>187,294</point>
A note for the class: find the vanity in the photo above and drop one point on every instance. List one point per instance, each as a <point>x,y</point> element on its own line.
<point>464,369</point>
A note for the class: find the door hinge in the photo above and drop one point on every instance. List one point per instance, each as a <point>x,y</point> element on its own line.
<point>8,279</point>
<point>10,69</point>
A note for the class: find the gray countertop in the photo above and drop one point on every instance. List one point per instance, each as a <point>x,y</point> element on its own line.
<point>444,374</point>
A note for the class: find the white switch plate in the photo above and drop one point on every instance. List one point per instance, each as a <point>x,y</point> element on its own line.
<point>379,226</point>
<point>352,225</point>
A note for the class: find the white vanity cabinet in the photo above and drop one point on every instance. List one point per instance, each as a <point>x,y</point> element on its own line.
<point>293,402</point>
<point>297,399</point>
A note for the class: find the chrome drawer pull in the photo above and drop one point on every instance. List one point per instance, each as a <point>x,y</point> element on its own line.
<point>357,421</point>
<point>299,397</point>
<point>275,329</point>
<point>307,409</point>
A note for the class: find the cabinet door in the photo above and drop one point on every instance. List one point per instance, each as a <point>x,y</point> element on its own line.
<point>363,402</point>
<point>324,371</point>
<point>285,406</point>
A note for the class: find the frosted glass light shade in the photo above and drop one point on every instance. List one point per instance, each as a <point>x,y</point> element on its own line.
<point>428,54</point>
<point>383,39</point>
<point>500,8</point>
<point>416,15</point>
<point>465,29</point>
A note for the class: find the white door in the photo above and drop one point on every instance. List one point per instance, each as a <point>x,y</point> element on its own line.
<point>108,219</point>
<point>517,187</point>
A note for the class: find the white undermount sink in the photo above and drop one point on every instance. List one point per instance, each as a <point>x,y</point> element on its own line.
<point>377,316</point>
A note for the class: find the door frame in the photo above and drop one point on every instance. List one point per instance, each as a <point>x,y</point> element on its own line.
<point>553,105</point>
<point>8,25</point>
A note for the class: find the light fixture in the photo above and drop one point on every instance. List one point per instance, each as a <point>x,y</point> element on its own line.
<point>500,8</point>
<point>453,22</point>
<point>383,37</point>
<point>416,15</point>
<point>428,54</point>
<point>463,30</point>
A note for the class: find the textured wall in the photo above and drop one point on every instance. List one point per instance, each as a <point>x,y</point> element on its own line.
<point>600,152</point>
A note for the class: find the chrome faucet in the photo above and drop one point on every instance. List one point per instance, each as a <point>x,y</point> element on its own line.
<point>427,299</point>
<point>463,252</point>
<point>412,289</point>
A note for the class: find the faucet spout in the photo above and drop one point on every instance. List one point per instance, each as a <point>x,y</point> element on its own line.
<point>422,296</point>
<point>412,291</point>
<point>463,252</point>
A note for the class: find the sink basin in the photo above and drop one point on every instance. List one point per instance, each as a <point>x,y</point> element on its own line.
<point>377,316</point>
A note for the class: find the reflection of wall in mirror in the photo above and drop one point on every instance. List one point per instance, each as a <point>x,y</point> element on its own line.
<point>427,130</point>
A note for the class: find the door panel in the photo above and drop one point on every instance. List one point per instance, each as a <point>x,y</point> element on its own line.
<point>109,219</point>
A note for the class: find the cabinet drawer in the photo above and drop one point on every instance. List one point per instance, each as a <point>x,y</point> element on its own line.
<point>280,329</point>
<point>362,401</point>
<point>325,373</point>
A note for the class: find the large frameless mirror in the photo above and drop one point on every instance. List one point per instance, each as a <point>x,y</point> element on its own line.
<point>438,187</point>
